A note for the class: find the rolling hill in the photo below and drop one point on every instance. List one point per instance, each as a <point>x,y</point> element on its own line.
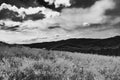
<point>109,46</point>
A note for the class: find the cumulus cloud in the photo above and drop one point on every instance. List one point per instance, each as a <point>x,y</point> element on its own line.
<point>65,24</point>
<point>58,3</point>
<point>27,11</point>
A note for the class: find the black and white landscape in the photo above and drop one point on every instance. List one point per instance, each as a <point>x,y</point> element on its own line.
<point>59,40</point>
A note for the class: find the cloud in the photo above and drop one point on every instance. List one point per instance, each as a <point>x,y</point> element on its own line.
<point>69,18</point>
<point>24,11</point>
<point>116,11</point>
<point>74,17</point>
<point>58,3</point>
<point>70,22</point>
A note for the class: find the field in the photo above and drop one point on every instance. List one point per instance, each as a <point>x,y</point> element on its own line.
<point>22,63</point>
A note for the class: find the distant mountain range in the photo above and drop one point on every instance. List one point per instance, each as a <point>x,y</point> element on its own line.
<point>109,46</point>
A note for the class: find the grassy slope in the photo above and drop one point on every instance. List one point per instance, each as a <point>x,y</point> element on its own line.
<point>22,63</point>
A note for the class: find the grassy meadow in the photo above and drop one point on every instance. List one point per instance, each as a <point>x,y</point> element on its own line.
<point>22,63</point>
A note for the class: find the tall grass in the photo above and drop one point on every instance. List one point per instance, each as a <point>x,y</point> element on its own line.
<point>22,63</point>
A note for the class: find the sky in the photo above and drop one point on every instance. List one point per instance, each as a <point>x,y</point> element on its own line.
<point>37,21</point>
